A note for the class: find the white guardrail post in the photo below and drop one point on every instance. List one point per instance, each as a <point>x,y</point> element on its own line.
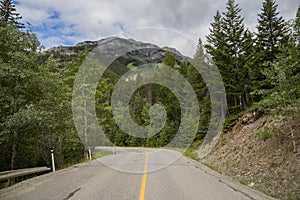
<point>90,153</point>
<point>52,159</point>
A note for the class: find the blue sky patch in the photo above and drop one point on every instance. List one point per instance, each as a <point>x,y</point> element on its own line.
<point>16,2</point>
<point>54,15</point>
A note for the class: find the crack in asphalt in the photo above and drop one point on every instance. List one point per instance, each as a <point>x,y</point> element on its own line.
<point>71,194</point>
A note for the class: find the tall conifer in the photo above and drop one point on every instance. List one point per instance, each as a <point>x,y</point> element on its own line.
<point>9,15</point>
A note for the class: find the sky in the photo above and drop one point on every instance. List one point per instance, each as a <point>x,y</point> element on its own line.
<point>176,22</point>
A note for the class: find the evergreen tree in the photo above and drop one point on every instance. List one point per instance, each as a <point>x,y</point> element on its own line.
<point>201,88</point>
<point>194,76</point>
<point>229,45</point>
<point>284,76</point>
<point>233,29</point>
<point>235,36</point>
<point>216,40</point>
<point>170,59</point>
<point>9,15</point>
<point>183,68</point>
<point>272,31</point>
<point>247,60</point>
<point>296,27</point>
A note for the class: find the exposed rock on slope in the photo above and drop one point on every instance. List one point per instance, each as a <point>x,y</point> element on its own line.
<point>259,152</point>
<point>147,53</point>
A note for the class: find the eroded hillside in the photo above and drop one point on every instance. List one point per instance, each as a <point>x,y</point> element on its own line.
<point>259,152</point>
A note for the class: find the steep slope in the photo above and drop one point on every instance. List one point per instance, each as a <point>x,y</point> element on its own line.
<point>259,152</point>
<point>147,53</point>
<point>110,47</point>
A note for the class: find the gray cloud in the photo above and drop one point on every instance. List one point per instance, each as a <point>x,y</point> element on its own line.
<point>93,19</point>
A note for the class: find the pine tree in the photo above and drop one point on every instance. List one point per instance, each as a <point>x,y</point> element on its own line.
<point>194,77</point>
<point>229,44</point>
<point>170,59</point>
<point>296,27</point>
<point>216,40</point>
<point>284,76</point>
<point>183,68</point>
<point>247,60</point>
<point>272,32</point>
<point>8,14</point>
<point>233,28</point>
<point>234,35</point>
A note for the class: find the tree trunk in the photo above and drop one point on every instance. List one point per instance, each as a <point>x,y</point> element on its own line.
<point>13,156</point>
<point>14,151</point>
<point>149,94</point>
<point>244,101</point>
<point>133,104</point>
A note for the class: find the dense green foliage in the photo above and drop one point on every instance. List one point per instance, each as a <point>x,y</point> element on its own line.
<point>284,75</point>
<point>255,67</point>
<point>259,70</point>
<point>229,44</point>
<point>170,59</point>
<point>146,96</point>
<point>272,32</point>
<point>35,113</point>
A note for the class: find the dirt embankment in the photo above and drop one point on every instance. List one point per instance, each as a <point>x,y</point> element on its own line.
<point>260,152</point>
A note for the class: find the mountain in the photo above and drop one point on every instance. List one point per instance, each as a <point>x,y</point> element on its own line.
<point>146,53</point>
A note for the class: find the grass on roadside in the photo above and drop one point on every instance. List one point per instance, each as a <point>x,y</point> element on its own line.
<point>97,154</point>
<point>101,153</point>
<point>191,151</point>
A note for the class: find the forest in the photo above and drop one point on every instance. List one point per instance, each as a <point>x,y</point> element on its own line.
<point>260,70</point>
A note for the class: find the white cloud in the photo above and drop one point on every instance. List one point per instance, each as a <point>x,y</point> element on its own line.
<point>95,19</point>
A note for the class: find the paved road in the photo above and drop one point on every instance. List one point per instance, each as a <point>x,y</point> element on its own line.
<point>134,174</point>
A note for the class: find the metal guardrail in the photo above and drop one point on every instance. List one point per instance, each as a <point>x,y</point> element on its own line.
<point>6,175</point>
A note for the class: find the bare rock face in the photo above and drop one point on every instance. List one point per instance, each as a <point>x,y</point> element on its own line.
<point>145,53</point>
<point>136,52</point>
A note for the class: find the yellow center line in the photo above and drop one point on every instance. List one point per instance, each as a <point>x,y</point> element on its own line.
<point>143,187</point>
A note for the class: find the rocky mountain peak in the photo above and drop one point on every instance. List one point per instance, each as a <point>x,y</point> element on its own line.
<point>137,52</point>
<point>145,53</point>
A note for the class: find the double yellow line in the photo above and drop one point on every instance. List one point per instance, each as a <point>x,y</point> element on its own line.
<point>143,187</point>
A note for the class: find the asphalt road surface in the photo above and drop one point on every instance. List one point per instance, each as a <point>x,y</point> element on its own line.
<point>133,174</point>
